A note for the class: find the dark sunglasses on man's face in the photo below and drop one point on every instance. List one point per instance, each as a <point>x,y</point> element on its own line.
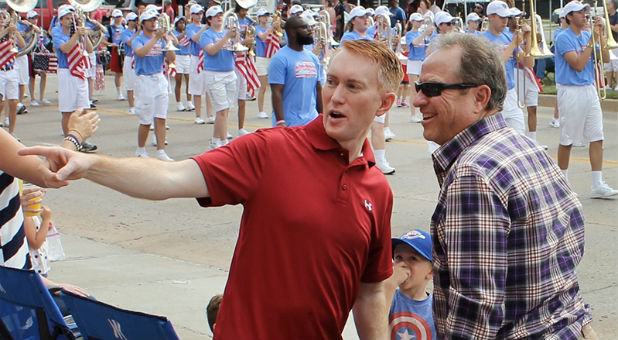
<point>434,89</point>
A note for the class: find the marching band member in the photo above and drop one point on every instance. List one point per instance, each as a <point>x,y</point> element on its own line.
<point>91,73</point>
<point>219,77</point>
<point>128,66</point>
<point>183,62</point>
<point>21,66</point>
<point>555,121</point>
<point>32,18</point>
<point>417,43</point>
<point>581,117</point>
<point>114,33</point>
<point>357,25</point>
<point>245,74</point>
<point>151,86</point>
<point>262,33</point>
<point>498,13</point>
<point>196,84</point>
<point>70,41</point>
<point>9,79</point>
<point>473,21</point>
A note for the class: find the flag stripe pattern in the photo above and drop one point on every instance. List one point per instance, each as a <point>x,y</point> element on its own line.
<point>7,57</point>
<point>246,67</point>
<point>272,44</point>
<point>78,62</point>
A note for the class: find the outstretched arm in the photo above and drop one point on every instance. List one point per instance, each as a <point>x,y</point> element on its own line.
<point>142,178</point>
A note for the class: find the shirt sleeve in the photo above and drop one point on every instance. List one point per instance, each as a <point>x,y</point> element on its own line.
<point>137,43</point>
<point>564,44</point>
<point>58,38</point>
<point>277,70</point>
<point>474,235</point>
<point>232,172</point>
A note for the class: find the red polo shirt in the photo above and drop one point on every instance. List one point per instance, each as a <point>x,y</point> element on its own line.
<point>312,229</point>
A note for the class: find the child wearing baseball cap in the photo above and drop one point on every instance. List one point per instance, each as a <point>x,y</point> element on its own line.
<point>410,314</point>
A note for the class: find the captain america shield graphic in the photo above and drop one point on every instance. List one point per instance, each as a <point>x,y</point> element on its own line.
<point>409,326</point>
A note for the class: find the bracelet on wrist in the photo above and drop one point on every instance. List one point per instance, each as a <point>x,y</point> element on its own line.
<point>77,139</point>
<point>280,122</point>
<point>78,133</point>
<point>74,141</point>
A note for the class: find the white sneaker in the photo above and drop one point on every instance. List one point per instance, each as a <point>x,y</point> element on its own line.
<point>616,88</point>
<point>161,155</point>
<point>46,101</point>
<point>262,115</point>
<point>180,107</point>
<point>386,168</point>
<point>190,106</point>
<point>199,120</point>
<point>243,132</point>
<point>416,119</point>
<point>210,120</point>
<point>217,143</point>
<point>555,123</point>
<point>602,191</point>
<point>132,110</point>
<point>388,134</point>
<point>121,97</point>
<point>152,127</point>
<point>143,154</point>
<point>229,135</point>
<point>6,122</point>
<point>34,103</point>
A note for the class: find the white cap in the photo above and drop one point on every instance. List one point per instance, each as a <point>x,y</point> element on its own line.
<point>515,12</point>
<point>262,11</point>
<point>561,14</point>
<point>500,8</point>
<point>382,10</point>
<point>370,11</point>
<point>296,9</point>
<point>64,10</point>
<point>147,15</point>
<point>358,11</point>
<point>473,17</point>
<point>131,16</point>
<point>178,19</point>
<point>416,17</point>
<point>442,18</point>
<point>152,8</point>
<point>32,14</point>
<point>116,13</point>
<point>196,9</point>
<point>308,17</point>
<point>213,11</point>
<point>573,6</point>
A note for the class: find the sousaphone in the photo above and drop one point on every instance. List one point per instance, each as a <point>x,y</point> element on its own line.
<point>24,6</point>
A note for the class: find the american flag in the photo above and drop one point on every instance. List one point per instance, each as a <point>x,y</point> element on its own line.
<point>200,61</point>
<point>169,71</point>
<point>184,41</point>
<point>272,44</point>
<point>78,62</point>
<point>246,67</point>
<point>7,56</point>
<point>52,63</point>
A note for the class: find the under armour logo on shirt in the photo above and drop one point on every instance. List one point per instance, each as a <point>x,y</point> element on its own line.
<point>368,206</point>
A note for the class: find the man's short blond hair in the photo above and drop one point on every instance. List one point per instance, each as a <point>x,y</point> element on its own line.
<point>390,72</point>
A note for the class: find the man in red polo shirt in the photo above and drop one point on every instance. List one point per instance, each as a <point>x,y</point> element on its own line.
<point>315,238</point>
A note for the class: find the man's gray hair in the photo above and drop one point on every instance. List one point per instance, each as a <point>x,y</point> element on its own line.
<point>480,64</point>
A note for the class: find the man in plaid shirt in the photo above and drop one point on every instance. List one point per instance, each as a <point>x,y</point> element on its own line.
<point>507,231</point>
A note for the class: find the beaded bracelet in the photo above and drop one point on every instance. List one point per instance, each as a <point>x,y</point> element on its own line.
<point>280,122</point>
<point>72,139</point>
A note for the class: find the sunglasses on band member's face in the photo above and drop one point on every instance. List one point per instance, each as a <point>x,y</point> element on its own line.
<point>434,89</point>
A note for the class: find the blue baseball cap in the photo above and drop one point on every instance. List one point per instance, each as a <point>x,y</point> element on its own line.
<point>417,239</point>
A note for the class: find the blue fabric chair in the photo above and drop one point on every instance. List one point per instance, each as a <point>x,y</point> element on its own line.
<point>97,320</point>
<point>27,310</point>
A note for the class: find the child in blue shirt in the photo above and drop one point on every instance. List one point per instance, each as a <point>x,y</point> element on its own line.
<point>410,315</point>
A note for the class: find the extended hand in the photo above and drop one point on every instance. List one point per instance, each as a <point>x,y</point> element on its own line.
<point>63,164</point>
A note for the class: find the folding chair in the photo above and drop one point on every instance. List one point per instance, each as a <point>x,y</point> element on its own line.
<point>27,309</point>
<point>97,320</point>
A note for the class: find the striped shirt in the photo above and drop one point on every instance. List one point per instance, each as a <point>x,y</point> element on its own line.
<point>507,234</point>
<point>14,250</point>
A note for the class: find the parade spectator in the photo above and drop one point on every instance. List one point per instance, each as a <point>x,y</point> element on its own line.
<point>114,39</point>
<point>345,253</point>
<point>398,14</point>
<point>512,269</point>
<point>212,310</point>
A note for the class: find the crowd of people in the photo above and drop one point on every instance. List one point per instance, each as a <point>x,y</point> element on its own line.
<point>507,232</point>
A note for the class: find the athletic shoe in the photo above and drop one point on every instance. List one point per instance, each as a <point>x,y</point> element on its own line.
<point>262,115</point>
<point>21,109</point>
<point>388,134</point>
<point>416,119</point>
<point>87,147</point>
<point>34,103</point>
<point>143,154</point>
<point>199,120</point>
<point>243,132</point>
<point>167,127</point>
<point>229,135</point>
<point>602,191</point>
<point>92,106</point>
<point>132,110</point>
<point>6,123</point>
<point>190,106</point>
<point>210,120</point>
<point>385,168</point>
<point>152,127</point>
<point>555,123</point>
<point>404,103</point>
<point>121,97</point>
<point>161,155</point>
<point>398,102</point>
<point>180,107</point>
<point>616,88</point>
<point>47,102</point>
<point>94,100</point>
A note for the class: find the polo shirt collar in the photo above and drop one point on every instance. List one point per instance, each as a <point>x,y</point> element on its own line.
<point>318,138</point>
<point>448,152</point>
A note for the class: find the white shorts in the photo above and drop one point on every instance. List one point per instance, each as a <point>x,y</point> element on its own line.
<point>9,85</point>
<point>414,67</point>
<point>196,80</point>
<point>91,72</point>
<point>612,64</point>
<point>512,114</point>
<point>72,92</point>
<point>128,74</point>
<point>23,72</point>
<point>581,117</point>
<point>183,64</point>
<point>380,119</point>
<point>241,88</point>
<point>531,95</point>
<point>221,88</point>
<point>261,64</point>
<point>151,98</point>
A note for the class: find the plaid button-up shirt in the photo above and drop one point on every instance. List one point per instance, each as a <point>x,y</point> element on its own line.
<point>507,234</point>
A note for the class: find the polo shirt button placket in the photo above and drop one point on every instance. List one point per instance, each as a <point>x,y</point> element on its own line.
<point>344,187</point>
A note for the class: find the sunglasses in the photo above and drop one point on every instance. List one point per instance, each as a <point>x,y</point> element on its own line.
<point>434,89</point>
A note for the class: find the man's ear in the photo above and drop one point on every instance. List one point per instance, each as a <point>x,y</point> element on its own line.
<point>388,99</point>
<point>481,98</point>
